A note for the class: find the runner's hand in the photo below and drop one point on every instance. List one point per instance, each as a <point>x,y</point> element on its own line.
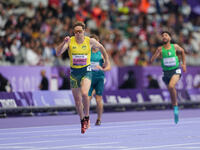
<point>99,67</point>
<point>184,68</point>
<point>66,39</point>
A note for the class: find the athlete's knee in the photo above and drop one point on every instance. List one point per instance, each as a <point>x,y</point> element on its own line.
<point>78,104</point>
<point>171,87</point>
<point>85,94</point>
<point>78,101</point>
<point>99,102</point>
<point>99,99</point>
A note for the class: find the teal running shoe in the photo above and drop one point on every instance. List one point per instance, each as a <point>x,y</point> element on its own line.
<point>176,118</point>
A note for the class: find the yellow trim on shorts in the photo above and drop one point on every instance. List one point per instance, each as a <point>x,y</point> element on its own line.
<point>76,82</point>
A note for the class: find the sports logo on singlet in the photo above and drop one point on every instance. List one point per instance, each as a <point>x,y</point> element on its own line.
<point>84,47</point>
<point>169,53</point>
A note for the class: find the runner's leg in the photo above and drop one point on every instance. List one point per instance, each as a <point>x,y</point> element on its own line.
<point>99,106</point>
<point>78,101</point>
<point>171,87</point>
<point>85,86</point>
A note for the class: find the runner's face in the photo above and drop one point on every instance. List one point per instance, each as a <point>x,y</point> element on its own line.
<point>78,31</point>
<point>165,38</point>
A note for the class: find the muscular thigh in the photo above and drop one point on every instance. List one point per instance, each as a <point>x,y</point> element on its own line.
<point>174,79</point>
<point>77,76</point>
<point>85,85</point>
<point>167,78</point>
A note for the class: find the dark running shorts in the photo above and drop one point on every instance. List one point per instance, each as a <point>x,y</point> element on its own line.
<point>167,75</point>
<point>77,75</point>
<point>97,85</point>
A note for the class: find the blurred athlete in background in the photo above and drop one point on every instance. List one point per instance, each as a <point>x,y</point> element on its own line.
<point>97,85</point>
<point>170,64</point>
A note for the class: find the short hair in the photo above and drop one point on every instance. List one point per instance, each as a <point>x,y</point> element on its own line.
<point>79,23</point>
<point>149,76</point>
<point>166,32</point>
<point>95,37</point>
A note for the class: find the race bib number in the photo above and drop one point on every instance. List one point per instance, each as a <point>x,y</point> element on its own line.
<point>93,66</point>
<point>79,60</point>
<point>89,68</point>
<point>169,62</point>
<point>178,71</point>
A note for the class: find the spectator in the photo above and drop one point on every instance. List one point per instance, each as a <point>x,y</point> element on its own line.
<point>153,83</point>
<point>1,55</point>
<point>44,84</point>
<point>130,82</point>
<point>68,10</point>
<point>4,84</point>
<point>131,55</point>
<point>144,6</point>
<point>32,56</point>
<point>115,20</point>
<point>185,9</point>
<point>142,59</point>
<point>198,86</point>
<point>65,81</point>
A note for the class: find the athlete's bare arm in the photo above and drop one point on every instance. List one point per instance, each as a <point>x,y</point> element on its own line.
<point>103,68</point>
<point>95,44</point>
<point>63,46</point>
<point>156,54</point>
<point>182,51</point>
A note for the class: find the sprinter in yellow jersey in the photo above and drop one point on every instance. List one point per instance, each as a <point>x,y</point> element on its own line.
<point>79,49</point>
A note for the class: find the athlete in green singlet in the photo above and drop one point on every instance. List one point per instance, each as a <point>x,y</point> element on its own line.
<point>97,85</point>
<point>170,65</point>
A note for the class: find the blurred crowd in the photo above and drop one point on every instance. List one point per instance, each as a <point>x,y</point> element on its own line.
<point>129,29</point>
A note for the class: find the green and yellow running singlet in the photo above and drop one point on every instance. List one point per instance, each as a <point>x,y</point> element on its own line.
<point>79,53</point>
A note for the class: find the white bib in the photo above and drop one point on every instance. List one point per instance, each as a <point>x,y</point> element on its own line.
<point>178,71</point>
<point>93,65</point>
<point>169,62</point>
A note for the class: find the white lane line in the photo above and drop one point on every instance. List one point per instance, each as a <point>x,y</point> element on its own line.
<point>121,130</point>
<point>157,120</point>
<point>76,146</point>
<point>42,136</point>
<point>19,143</point>
<point>16,147</point>
<point>123,122</point>
<point>186,147</point>
<point>102,127</point>
<point>104,147</point>
<point>39,131</point>
<point>49,126</point>
<point>161,146</point>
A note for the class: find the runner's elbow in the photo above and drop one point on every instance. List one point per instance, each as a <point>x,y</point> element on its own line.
<point>58,53</point>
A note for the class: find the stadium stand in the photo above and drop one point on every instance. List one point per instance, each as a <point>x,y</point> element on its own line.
<point>30,30</point>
